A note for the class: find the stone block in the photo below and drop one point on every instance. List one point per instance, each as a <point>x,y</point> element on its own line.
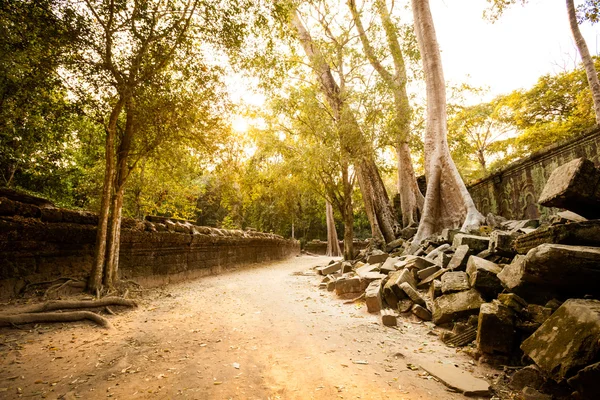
<point>457,379</point>
<point>586,382</point>
<point>394,244</point>
<point>435,289</point>
<point>483,276</point>
<point>418,263</point>
<point>373,297</point>
<point>496,329</point>
<point>421,312</point>
<point>458,262</point>
<point>528,376</point>
<point>346,267</point>
<point>412,294</point>
<point>345,285</point>
<point>501,243</point>
<point>389,317</point>
<point>437,251</point>
<point>329,269</point>
<point>585,233</point>
<point>424,284</point>
<point>512,301</point>
<point>568,341</point>
<point>388,265</point>
<point>388,292</point>
<point>530,393</point>
<point>448,234</point>
<point>426,272</point>
<point>574,186</point>
<point>443,259</point>
<point>455,282</point>
<point>365,269</point>
<point>475,243</point>
<point>566,270</point>
<point>538,314</point>
<point>449,307</point>
<point>377,256</point>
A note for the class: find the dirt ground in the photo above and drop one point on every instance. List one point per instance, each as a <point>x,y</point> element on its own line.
<point>255,333</point>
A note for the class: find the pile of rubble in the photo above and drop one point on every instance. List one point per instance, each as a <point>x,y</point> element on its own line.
<point>524,293</point>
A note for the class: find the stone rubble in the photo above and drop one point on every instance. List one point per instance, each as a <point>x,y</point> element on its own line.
<point>518,293</point>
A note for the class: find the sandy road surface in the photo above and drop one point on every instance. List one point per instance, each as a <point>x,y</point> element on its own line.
<point>254,333</point>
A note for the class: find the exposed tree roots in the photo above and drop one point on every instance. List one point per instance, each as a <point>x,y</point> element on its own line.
<point>43,312</point>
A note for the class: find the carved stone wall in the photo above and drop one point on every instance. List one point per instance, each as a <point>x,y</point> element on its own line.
<point>41,243</point>
<point>513,192</point>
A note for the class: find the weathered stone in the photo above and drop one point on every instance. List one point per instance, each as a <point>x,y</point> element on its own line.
<point>568,340</point>
<point>475,243</point>
<point>585,233</point>
<point>566,270</point>
<point>528,376</point>
<point>407,233</point>
<point>424,284</point>
<point>407,276</point>
<point>437,251</point>
<point>495,329</point>
<point>412,294</point>
<point>458,262</point>
<point>404,305</point>
<point>435,289</point>
<point>388,265</point>
<point>512,301</point>
<point>586,382</point>
<point>530,393</point>
<point>460,337</point>
<point>388,292</point>
<point>483,276</point>
<point>538,314</point>
<point>346,267</point>
<point>329,269</point>
<point>394,244</point>
<point>574,186</point>
<point>443,259</point>
<point>417,263</point>
<point>377,256</point>
<point>389,317</point>
<point>448,234</point>
<point>370,277</point>
<point>456,305</point>
<point>365,269</point>
<point>426,272</point>
<point>455,282</point>
<point>345,285</point>
<point>501,243</point>
<point>421,312</point>
<point>457,379</point>
<point>373,297</point>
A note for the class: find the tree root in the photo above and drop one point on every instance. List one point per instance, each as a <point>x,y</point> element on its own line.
<point>75,304</point>
<point>28,318</point>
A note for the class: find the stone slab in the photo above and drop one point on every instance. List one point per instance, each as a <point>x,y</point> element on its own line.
<point>483,276</point>
<point>455,282</point>
<point>586,233</point>
<point>452,306</point>
<point>457,379</point>
<point>458,262</point>
<point>475,243</point>
<point>373,297</point>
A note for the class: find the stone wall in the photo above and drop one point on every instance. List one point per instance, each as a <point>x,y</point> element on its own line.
<point>41,243</point>
<point>320,246</point>
<point>513,192</point>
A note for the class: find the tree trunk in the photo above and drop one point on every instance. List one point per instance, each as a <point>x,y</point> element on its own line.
<point>447,201</point>
<point>411,199</point>
<point>379,211</point>
<point>586,58</point>
<point>95,279</point>
<point>348,214</point>
<point>333,245</point>
<point>114,244</point>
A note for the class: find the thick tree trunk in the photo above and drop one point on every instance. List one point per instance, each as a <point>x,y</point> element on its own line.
<point>447,201</point>
<point>348,214</point>
<point>379,211</point>
<point>586,58</point>
<point>95,279</point>
<point>411,199</point>
<point>333,244</point>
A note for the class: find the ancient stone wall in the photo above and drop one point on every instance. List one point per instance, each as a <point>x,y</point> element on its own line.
<point>513,192</point>
<point>40,243</point>
<point>320,246</point>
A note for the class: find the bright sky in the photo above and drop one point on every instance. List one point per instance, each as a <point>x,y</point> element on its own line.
<point>525,43</point>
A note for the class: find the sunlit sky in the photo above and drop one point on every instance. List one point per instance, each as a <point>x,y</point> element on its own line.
<point>512,53</point>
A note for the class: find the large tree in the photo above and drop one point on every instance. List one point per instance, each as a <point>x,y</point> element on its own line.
<point>448,204</point>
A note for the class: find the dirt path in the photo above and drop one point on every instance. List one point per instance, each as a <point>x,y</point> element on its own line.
<point>256,333</point>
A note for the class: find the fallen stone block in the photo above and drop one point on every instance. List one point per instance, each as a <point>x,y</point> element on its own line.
<point>412,294</point>
<point>585,233</point>
<point>574,186</point>
<point>329,269</point>
<point>455,282</point>
<point>426,272</point>
<point>373,297</point>
<point>377,257</point>
<point>443,259</point>
<point>475,243</point>
<point>346,267</point>
<point>530,393</point>
<point>554,268</point>
<point>512,301</point>
<point>457,379</point>
<point>345,285</point>
<point>424,284</point>
<point>528,376</point>
<point>453,306</point>
<point>538,314</point>
<point>496,329</point>
<point>418,263</point>
<point>421,312</point>
<point>483,276</point>
<point>501,243</point>
<point>388,265</point>
<point>394,244</point>
<point>435,289</point>
<point>365,269</point>
<point>586,382</point>
<point>389,317</point>
<point>404,305</point>
<point>568,341</point>
<point>437,251</point>
<point>462,337</point>
<point>458,262</point>
<point>448,234</point>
